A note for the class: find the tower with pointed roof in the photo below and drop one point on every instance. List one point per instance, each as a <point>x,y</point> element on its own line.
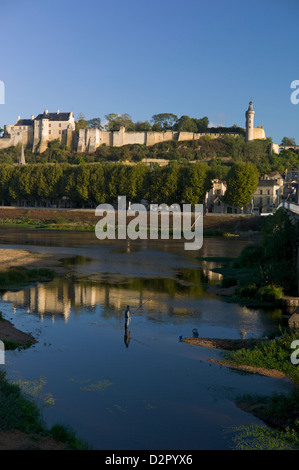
<point>250,122</point>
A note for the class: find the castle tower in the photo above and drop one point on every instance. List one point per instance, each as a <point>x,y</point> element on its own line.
<point>249,122</point>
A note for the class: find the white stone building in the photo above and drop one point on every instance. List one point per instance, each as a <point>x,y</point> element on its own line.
<point>37,131</point>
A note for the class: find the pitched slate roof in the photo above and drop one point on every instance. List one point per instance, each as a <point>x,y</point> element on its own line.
<point>24,122</point>
<point>54,116</point>
<point>268,183</point>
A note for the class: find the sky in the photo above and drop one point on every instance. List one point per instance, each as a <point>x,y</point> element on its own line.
<point>194,58</point>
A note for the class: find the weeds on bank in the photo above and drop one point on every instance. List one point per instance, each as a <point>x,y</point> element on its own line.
<point>19,412</point>
<point>281,412</point>
<point>272,354</point>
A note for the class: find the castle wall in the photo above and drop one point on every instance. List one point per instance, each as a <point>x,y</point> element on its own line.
<point>6,142</point>
<point>90,139</point>
<point>134,138</point>
<point>259,133</point>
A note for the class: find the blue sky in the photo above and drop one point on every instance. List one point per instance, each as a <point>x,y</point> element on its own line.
<point>194,57</point>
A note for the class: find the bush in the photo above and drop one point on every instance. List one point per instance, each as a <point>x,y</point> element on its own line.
<point>269,293</point>
<point>248,292</point>
<point>228,282</point>
<point>250,256</point>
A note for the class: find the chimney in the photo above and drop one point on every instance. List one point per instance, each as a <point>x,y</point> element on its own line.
<point>46,111</point>
<point>18,118</point>
<point>32,117</point>
<point>58,111</point>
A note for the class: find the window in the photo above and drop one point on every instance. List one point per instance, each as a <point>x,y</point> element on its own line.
<point>261,191</point>
<point>59,132</point>
<point>268,192</point>
<point>59,125</point>
<point>49,132</point>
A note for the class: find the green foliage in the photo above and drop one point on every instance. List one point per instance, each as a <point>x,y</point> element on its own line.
<point>165,121</point>
<point>93,184</point>
<point>270,354</point>
<point>16,411</point>
<point>242,181</point>
<point>81,122</point>
<point>279,248</point>
<point>64,434</point>
<point>288,141</point>
<point>250,256</point>
<point>116,121</point>
<point>255,437</point>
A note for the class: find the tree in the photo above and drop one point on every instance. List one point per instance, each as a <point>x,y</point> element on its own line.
<point>116,121</point>
<point>6,173</point>
<point>81,122</point>
<point>165,121</point>
<point>97,184</point>
<point>242,181</point>
<point>143,126</point>
<point>185,124</point>
<point>288,141</point>
<point>95,123</point>
<point>202,124</point>
<point>196,183</point>
<point>279,252</point>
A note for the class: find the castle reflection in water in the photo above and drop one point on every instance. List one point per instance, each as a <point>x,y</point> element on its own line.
<point>61,298</point>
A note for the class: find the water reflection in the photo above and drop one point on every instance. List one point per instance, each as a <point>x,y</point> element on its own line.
<point>60,297</point>
<point>127,336</point>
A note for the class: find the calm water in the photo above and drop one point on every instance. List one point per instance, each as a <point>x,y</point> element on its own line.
<point>141,388</point>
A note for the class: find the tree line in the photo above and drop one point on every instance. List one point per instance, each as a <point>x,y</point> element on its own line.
<point>91,184</point>
<point>159,123</point>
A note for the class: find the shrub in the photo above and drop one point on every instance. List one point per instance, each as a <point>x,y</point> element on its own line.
<point>269,293</point>
<point>250,256</point>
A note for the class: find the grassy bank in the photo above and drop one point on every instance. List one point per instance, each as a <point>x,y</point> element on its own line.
<point>271,354</point>
<point>279,411</point>
<point>19,413</point>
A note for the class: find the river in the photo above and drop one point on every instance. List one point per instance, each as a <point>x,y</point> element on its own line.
<point>139,388</point>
